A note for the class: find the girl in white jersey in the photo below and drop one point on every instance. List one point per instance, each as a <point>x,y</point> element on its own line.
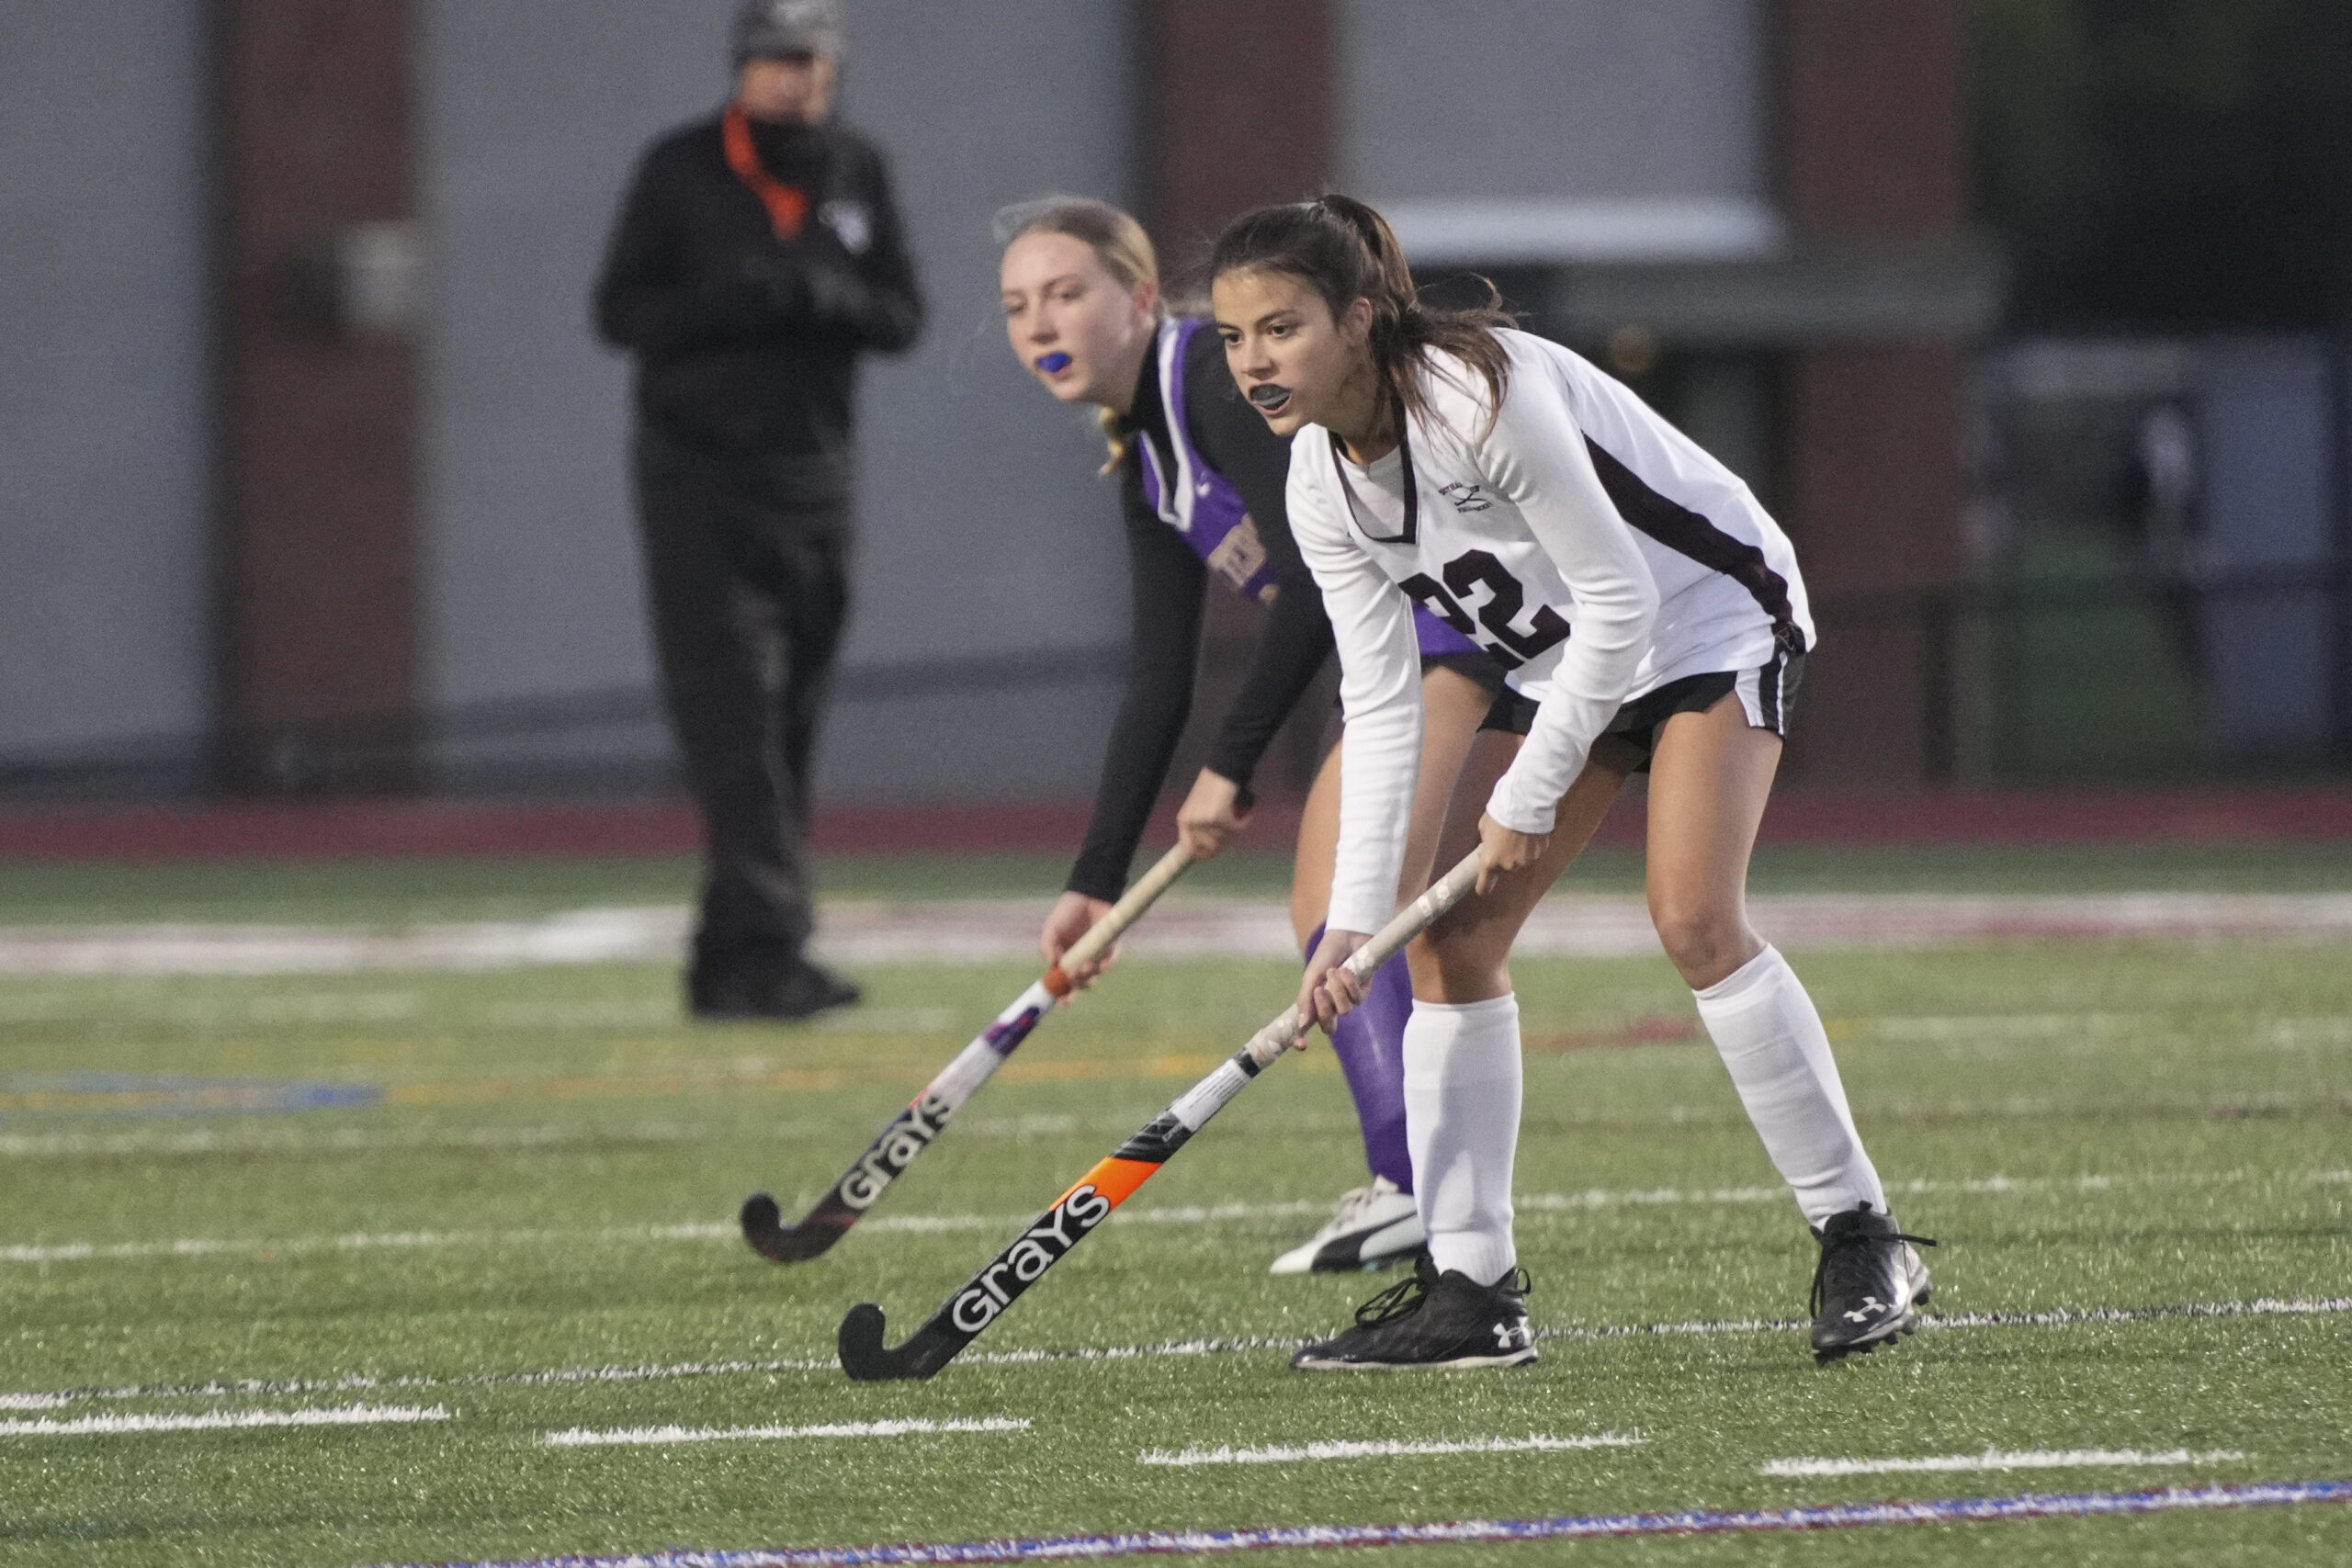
<point>1637,591</point>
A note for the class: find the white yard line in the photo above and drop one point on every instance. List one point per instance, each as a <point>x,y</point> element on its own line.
<point>277,1137</point>
<point>2051,1317</point>
<point>1995,1459</point>
<point>991,930</point>
<point>223,1420</point>
<point>394,1241</point>
<point>402,1241</point>
<point>2054,1317</point>
<point>585,1438</point>
<point>1383,1449</point>
<point>1528,1203</point>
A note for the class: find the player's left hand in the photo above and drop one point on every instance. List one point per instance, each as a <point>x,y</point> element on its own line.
<point>1215,811</point>
<point>1329,992</point>
<point>1505,850</point>
<point>1072,917</point>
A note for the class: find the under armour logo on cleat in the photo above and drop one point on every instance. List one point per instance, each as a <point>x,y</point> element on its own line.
<point>1870,1305</point>
<point>1514,1335</point>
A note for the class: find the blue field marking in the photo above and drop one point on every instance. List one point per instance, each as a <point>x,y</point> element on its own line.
<point>175,1094</point>
<point>1187,1543</point>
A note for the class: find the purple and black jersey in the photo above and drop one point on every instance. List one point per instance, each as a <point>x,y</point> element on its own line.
<point>1203,506</point>
<point>1204,493</point>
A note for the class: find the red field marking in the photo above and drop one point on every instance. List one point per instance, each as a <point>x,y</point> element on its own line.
<point>395,829</point>
<point>1656,1029</point>
<point>368,829</point>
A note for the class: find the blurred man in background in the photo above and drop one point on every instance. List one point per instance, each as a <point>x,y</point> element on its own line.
<point>756,256</point>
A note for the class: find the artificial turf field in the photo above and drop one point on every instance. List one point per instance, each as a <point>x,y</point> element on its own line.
<point>501,1205</point>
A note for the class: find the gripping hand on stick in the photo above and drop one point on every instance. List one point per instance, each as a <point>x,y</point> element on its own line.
<point>1504,850</point>
<point>1215,812</point>
<point>1072,917</point>
<point>1330,990</point>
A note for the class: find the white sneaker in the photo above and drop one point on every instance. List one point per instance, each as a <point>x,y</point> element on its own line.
<point>1374,1227</point>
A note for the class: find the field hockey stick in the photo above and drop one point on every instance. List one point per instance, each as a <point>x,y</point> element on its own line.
<point>1048,1240</point>
<point>911,1131</point>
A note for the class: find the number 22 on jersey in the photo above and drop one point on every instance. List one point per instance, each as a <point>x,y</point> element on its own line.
<point>1497,612</point>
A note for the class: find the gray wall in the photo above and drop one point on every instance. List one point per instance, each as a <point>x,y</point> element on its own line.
<point>1551,98</point>
<point>530,113</point>
<point>984,532</point>
<point>982,529</point>
<point>2264,416</point>
<point>103,460</point>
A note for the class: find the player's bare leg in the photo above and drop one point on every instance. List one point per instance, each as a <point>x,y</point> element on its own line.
<point>1710,777</point>
<point>1465,957</point>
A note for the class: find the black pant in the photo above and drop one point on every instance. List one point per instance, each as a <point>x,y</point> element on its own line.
<point>750,588</point>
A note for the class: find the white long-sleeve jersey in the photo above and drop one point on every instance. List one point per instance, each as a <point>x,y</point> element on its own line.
<point>1593,549</point>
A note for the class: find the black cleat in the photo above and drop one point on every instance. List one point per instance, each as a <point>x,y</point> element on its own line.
<point>1869,1285</point>
<point>1431,1320</point>
<point>793,991</point>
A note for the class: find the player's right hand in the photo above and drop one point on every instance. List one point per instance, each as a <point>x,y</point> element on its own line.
<point>1505,850</point>
<point>1073,915</point>
<point>1214,810</point>
<point>1329,992</point>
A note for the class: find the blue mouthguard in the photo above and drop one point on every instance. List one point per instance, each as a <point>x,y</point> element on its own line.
<point>1049,363</point>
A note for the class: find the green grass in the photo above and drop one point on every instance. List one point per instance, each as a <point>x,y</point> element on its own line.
<point>392,892</point>
<point>2091,690</point>
<point>542,1124</point>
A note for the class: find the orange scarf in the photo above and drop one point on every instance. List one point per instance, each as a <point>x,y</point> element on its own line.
<point>788,205</point>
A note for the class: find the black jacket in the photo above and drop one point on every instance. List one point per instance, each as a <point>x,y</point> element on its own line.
<point>747,345</point>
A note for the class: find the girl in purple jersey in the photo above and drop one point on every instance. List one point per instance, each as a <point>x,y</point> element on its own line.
<point>1202,486</point>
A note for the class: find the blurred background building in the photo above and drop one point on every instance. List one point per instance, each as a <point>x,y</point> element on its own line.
<point>2029,316</point>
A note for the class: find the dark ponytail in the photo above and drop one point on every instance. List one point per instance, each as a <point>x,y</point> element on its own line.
<point>1346,252</point>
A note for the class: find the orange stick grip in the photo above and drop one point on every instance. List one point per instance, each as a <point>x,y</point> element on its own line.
<point>1114,1177</point>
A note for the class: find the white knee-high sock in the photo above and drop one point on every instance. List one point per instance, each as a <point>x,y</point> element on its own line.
<point>1765,1030</point>
<point>1461,1078</point>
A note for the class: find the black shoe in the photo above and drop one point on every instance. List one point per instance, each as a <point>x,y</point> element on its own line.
<point>792,990</point>
<point>1869,1285</point>
<point>1432,1320</point>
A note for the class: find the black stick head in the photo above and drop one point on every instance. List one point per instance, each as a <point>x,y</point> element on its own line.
<point>927,1350</point>
<point>860,1343</point>
<point>765,1230</point>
